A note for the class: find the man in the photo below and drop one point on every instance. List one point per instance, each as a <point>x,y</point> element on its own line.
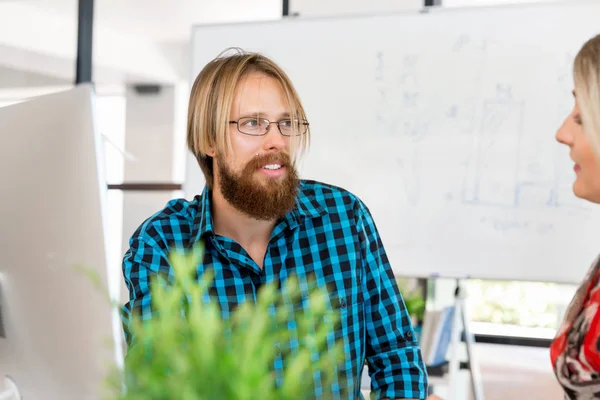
<point>260,223</point>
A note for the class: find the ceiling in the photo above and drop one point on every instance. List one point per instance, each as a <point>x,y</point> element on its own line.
<point>163,20</point>
<point>133,40</point>
<point>12,78</point>
<point>141,40</point>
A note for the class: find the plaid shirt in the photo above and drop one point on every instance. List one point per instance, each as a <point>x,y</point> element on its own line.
<point>331,236</point>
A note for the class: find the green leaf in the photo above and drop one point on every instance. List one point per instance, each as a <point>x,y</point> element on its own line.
<point>188,351</point>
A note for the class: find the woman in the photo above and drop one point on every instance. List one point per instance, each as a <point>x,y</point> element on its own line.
<point>575,352</point>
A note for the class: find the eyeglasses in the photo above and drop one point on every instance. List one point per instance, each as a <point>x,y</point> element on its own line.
<point>260,126</point>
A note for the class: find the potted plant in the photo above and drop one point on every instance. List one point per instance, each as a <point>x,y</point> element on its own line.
<point>187,351</point>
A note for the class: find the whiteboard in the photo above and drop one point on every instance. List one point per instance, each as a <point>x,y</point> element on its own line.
<point>443,123</point>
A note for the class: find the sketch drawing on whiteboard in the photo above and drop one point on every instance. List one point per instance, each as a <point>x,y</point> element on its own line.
<point>410,178</point>
<point>466,65</point>
<point>383,105</point>
<point>511,167</point>
<point>465,41</point>
<point>492,175</point>
<point>397,114</point>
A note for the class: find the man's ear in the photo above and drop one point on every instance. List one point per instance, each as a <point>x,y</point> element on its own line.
<point>211,152</point>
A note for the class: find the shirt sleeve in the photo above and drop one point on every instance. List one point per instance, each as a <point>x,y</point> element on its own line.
<point>394,358</point>
<point>141,263</point>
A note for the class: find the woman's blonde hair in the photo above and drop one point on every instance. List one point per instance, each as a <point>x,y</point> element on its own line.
<point>586,74</point>
<point>211,99</point>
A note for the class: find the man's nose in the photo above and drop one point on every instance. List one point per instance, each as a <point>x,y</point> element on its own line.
<point>273,138</point>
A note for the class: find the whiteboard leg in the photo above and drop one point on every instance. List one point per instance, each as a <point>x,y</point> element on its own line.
<point>463,324</point>
<point>476,382</point>
<point>454,361</point>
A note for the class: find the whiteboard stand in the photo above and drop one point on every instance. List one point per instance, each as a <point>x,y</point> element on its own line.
<point>11,392</point>
<point>460,324</point>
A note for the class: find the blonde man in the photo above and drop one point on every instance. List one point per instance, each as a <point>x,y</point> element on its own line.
<point>261,223</point>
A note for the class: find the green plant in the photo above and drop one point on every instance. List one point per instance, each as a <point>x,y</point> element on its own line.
<point>413,299</point>
<point>187,351</point>
<point>415,305</point>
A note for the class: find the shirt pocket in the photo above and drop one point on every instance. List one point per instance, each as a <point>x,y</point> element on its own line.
<point>342,302</point>
<point>349,312</point>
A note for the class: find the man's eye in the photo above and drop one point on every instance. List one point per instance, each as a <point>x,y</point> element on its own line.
<point>578,120</point>
<point>286,123</point>
<point>251,123</point>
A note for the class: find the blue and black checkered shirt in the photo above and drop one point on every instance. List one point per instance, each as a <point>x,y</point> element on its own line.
<point>330,236</point>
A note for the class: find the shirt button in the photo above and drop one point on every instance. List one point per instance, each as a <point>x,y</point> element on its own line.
<point>408,335</point>
<point>343,304</point>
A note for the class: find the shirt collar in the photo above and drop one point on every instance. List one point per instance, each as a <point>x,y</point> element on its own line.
<point>307,205</point>
<point>203,222</point>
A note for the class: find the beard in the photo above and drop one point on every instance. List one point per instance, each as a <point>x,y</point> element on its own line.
<point>261,199</point>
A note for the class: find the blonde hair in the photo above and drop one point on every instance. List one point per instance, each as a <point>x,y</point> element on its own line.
<point>211,99</point>
<point>586,74</point>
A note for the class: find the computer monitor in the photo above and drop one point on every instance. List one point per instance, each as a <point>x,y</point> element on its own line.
<point>58,335</point>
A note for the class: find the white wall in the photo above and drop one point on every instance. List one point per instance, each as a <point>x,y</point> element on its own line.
<point>149,140</point>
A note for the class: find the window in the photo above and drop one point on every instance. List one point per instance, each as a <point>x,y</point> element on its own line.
<point>506,308</point>
<point>514,308</point>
